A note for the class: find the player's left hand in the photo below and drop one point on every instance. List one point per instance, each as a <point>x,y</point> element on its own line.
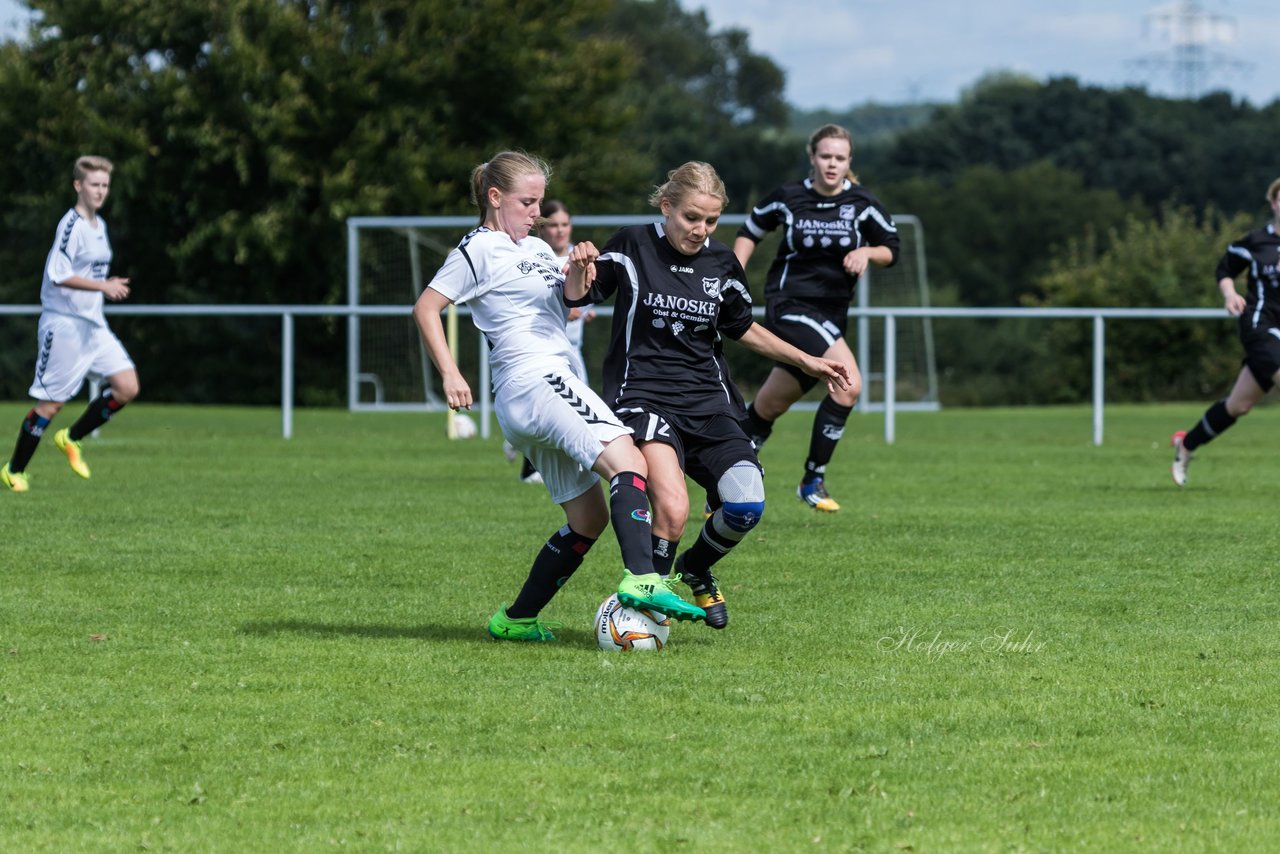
<point>855,262</point>
<point>835,373</point>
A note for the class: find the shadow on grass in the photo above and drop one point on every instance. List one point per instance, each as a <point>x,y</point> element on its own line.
<point>375,632</point>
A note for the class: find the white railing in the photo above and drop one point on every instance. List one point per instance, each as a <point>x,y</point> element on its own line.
<point>287,313</point>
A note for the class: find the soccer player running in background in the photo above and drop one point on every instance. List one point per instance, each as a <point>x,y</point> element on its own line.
<point>679,294</point>
<point>74,339</point>
<point>833,228</point>
<point>556,228</point>
<point>1259,324</point>
<point>514,286</point>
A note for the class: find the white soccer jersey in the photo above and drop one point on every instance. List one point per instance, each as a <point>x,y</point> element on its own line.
<point>79,249</point>
<point>515,292</point>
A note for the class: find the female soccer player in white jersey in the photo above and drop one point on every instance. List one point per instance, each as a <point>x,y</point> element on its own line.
<point>556,228</point>
<point>833,229</point>
<point>74,338</point>
<point>1259,313</point>
<point>514,287</point>
<point>679,294</point>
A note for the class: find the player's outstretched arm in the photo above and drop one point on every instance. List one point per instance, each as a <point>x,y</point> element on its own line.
<point>767,344</point>
<point>426,313</point>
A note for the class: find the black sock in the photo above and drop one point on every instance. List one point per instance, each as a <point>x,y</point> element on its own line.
<point>664,554</point>
<point>560,558</point>
<point>98,413</point>
<point>828,427</point>
<point>526,469</point>
<point>758,429</point>
<point>629,512</point>
<point>1215,420</point>
<point>713,543</point>
<point>28,439</point>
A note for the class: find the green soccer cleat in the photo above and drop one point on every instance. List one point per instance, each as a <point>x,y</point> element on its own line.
<point>502,627</point>
<point>15,480</point>
<point>655,593</point>
<point>72,449</point>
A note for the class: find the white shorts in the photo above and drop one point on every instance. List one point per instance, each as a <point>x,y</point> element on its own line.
<point>561,425</point>
<point>70,350</point>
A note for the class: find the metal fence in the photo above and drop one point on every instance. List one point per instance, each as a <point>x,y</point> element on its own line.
<point>889,316</point>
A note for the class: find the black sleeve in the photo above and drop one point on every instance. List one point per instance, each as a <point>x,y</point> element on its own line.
<point>764,217</point>
<point>878,229</point>
<point>607,272</point>
<point>1235,260</point>
<point>735,311</point>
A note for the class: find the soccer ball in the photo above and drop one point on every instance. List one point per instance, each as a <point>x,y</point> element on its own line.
<point>463,426</point>
<point>619,628</point>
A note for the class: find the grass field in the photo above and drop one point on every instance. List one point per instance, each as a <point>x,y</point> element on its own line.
<point>1008,640</point>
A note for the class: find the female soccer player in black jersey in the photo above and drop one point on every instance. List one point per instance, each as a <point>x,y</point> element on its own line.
<point>832,230</point>
<point>679,294</point>
<point>1259,313</point>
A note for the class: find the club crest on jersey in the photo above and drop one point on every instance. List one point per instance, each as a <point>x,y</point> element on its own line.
<point>527,267</point>
<point>846,211</point>
<point>711,287</point>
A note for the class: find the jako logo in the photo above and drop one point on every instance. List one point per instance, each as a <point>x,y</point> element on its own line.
<point>640,516</point>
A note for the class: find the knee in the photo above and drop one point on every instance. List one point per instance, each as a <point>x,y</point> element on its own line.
<point>589,522</point>
<point>742,516</point>
<point>670,513</point>
<point>849,396</point>
<point>124,389</point>
<point>742,494</point>
<point>1239,408</point>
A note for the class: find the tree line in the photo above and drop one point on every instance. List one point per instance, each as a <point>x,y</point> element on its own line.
<point>245,132</point>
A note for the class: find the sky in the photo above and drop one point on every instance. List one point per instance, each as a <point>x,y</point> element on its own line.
<point>843,53</point>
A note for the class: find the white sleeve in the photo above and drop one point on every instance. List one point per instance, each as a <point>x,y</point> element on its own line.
<point>60,267</point>
<point>456,278</point>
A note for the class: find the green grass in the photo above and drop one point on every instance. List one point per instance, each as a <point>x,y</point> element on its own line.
<point>1007,640</point>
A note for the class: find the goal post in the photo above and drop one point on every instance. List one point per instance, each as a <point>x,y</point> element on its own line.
<point>906,283</point>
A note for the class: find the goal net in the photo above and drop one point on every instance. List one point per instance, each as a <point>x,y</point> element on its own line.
<point>391,259</point>
<point>906,283</point>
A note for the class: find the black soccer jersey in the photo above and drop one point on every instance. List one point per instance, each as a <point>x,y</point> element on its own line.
<point>818,231</point>
<point>1259,252</point>
<point>670,313</point>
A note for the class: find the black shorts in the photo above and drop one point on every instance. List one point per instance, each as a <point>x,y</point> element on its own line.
<point>809,326</point>
<point>1261,351</point>
<point>707,446</point>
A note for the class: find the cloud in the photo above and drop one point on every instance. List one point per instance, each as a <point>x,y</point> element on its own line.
<point>837,53</point>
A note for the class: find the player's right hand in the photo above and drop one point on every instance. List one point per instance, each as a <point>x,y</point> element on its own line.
<point>457,393</point>
<point>116,288</point>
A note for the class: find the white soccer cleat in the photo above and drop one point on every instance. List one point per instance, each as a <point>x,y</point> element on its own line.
<point>1181,458</point>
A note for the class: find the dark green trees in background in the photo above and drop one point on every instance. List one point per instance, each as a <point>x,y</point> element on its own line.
<point>1064,195</point>
<point>245,132</point>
